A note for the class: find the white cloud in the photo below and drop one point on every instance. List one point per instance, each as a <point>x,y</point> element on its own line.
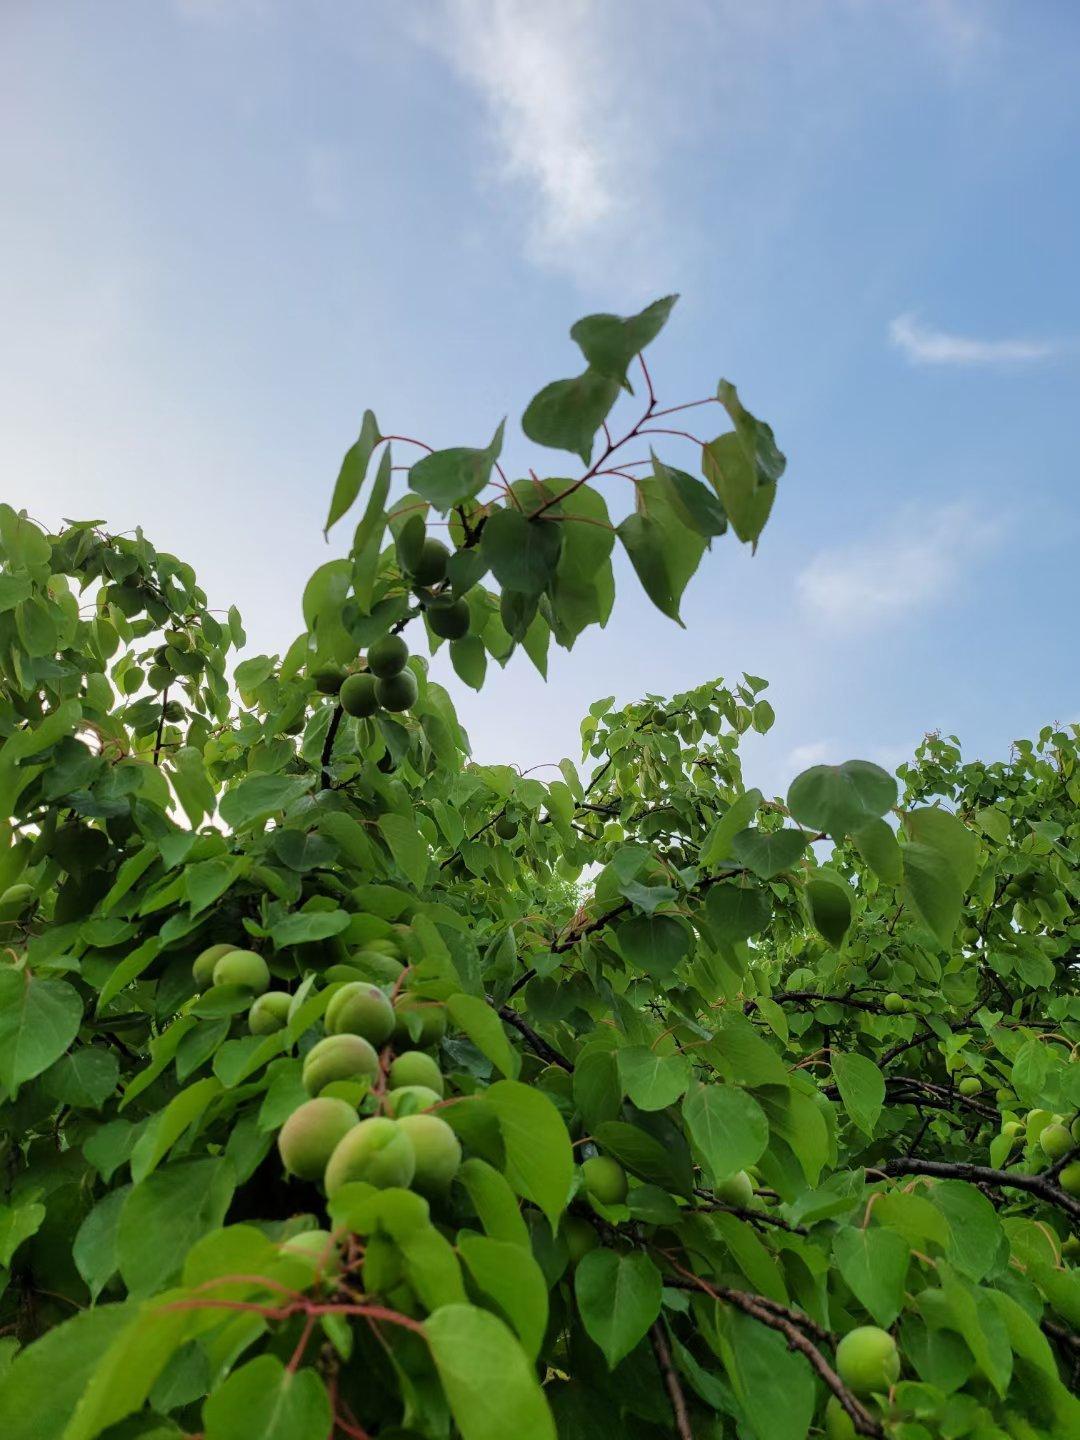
<point>923,345</point>
<point>857,586</point>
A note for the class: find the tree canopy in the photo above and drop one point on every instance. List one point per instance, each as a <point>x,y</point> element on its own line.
<point>353,1087</point>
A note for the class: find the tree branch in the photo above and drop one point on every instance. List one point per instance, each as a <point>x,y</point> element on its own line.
<point>1037,1185</point>
<point>539,1045</point>
<point>670,1377</point>
<point>328,745</point>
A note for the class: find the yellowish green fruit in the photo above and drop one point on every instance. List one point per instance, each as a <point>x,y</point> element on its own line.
<point>1074,1128</point>
<point>895,1004</point>
<point>450,622</point>
<point>580,1237</point>
<point>437,1150</point>
<point>1035,1123</point>
<point>15,899</point>
<point>387,657</point>
<point>430,567</point>
<point>384,945</point>
<point>605,1179</point>
<point>1069,1179</point>
<point>269,1013</point>
<point>318,1246</point>
<point>338,1057</point>
<point>1012,1127</point>
<point>360,1009</point>
<point>357,696</point>
<point>243,967</point>
<point>737,1190</point>
<point>970,1085</point>
<point>416,1068</point>
<point>867,1360</point>
<point>377,1151</point>
<point>1071,1247</point>
<point>409,1100</point>
<point>311,1134</point>
<point>203,968</point>
<point>1055,1141</point>
<point>397,692</point>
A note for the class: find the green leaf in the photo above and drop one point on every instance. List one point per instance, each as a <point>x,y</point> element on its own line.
<point>652,1081</point>
<point>950,837</point>
<point>839,799</point>
<point>566,414</point>
<point>830,901</point>
<point>731,473</point>
<point>303,927</point>
<point>183,1201</point>
<point>18,1223</point>
<point>263,1398</point>
<point>494,1201</point>
<point>735,912</point>
<point>94,1247</point>
<point>975,1233</point>
<point>774,1385</point>
<point>539,1159</point>
<point>610,342</point>
<point>728,1128</point>
<point>353,469</point>
<point>484,1028</point>
<point>653,944</point>
<point>447,477</point>
<point>619,1298</point>
<point>490,1384</point>
<point>83,1078</point>
<point>523,554</point>
<point>768,852</point>
<point>736,817</point>
<point>40,1391</point>
<point>260,796</point>
<point>663,1165</point>
<point>663,550</point>
<point>127,1371</point>
<point>877,845</point>
<point>189,780</point>
<point>469,659</point>
<point>510,1276</point>
<point>862,1088</point>
<point>408,847</point>
<point>932,887</point>
<point>38,1021</point>
<point>367,540</point>
<point>874,1263</point>
<point>169,1124</point>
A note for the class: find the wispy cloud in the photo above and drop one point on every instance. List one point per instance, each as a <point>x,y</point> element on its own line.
<point>857,586</point>
<point>923,345</point>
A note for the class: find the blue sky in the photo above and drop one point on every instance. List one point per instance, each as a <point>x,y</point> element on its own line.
<point>230,225</point>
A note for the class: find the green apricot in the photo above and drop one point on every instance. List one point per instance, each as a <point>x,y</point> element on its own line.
<point>410,1100</point>
<point>203,968</point>
<point>312,1133</point>
<point>437,1150</point>
<point>970,1085</point>
<point>416,1068</point>
<point>360,1009</point>
<point>1055,1141</point>
<point>838,1423</point>
<point>1070,1247</point>
<point>1074,1128</point>
<point>450,622</point>
<point>506,827</point>
<point>894,1004</point>
<point>158,677</point>
<point>580,1237</point>
<point>432,1017</point>
<point>1069,1179</point>
<point>173,711</point>
<point>377,1151</point>
<point>867,1360</point>
<point>1035,1122</point>
<point>243,967</point>
<point>270,1012</point>
<point>387,657</point>
<point>338,1057</point>
<point>357,696</point>
<point>318,1246</point>
<point>328,679</point>
<point>398,692</point>
<point>371,965</point>
<point>384,945</point>
<point>1012,1127</point>
<point>737,1190</point>
<point>605,1179</point>
<point>430,567</point>
<point>78,849</point>
<point>15,899</point>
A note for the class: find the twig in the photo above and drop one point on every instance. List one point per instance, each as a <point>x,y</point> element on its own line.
<point>328,745</point>
<point>539,1044</point>
<point>670,1378</point>
<point>1037,1185</point>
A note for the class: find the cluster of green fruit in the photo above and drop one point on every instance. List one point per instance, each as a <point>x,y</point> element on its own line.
<point>868,1363</point>
<point>1049,1136</point>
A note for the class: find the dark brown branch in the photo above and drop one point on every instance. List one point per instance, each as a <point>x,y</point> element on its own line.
<point>160,726</point>
<point>328,745</point>
<point>670,1377</point>
<point>539,1045</point>
<point>1037,1185</point>
<point>754,1217</point>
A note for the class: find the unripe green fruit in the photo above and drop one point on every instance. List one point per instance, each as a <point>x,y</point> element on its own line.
<point>270,1012</point>
<point>338,1057</point>
<point>738,1190</point>
<point>398,692</point>
<point>203,968</point>
<point>895,1004</point>
<point>312,1133</point>
<point>1035,1123</point>
<point>867,1360</point>
<point>450,622</point>
<point>15,899</point>
<point>384,945</point>
<point>1012,1127</point>
<point>1074,1128</point>
<point>506,827</point>
<point>328,679</point>
<point>357,696</point>
<point>178,639</point>
<point>410,1100</point>
<point>318,1246</point>
<point>605,1179</point>
<point>376,965</point>
<point>1005,1097</point>
<point>1071,1247</point>
<point>838,1423</point>
<point>1055,1141</point>
<point>360,1009</point>
<point>970,1085</point>
<point>437,1150</point>
<point>243,967</point>
<point>377,1151</point>
<point>430,566</point>
<point>432,1017</point>
<point>78,849</point>
<point>161,656</point>
<point>580,1237</point>
<point>416,1068</point>
<point>158,677</point>
<point>173,711</point>
<point>387,656</point>
<point>1069,1179</point>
